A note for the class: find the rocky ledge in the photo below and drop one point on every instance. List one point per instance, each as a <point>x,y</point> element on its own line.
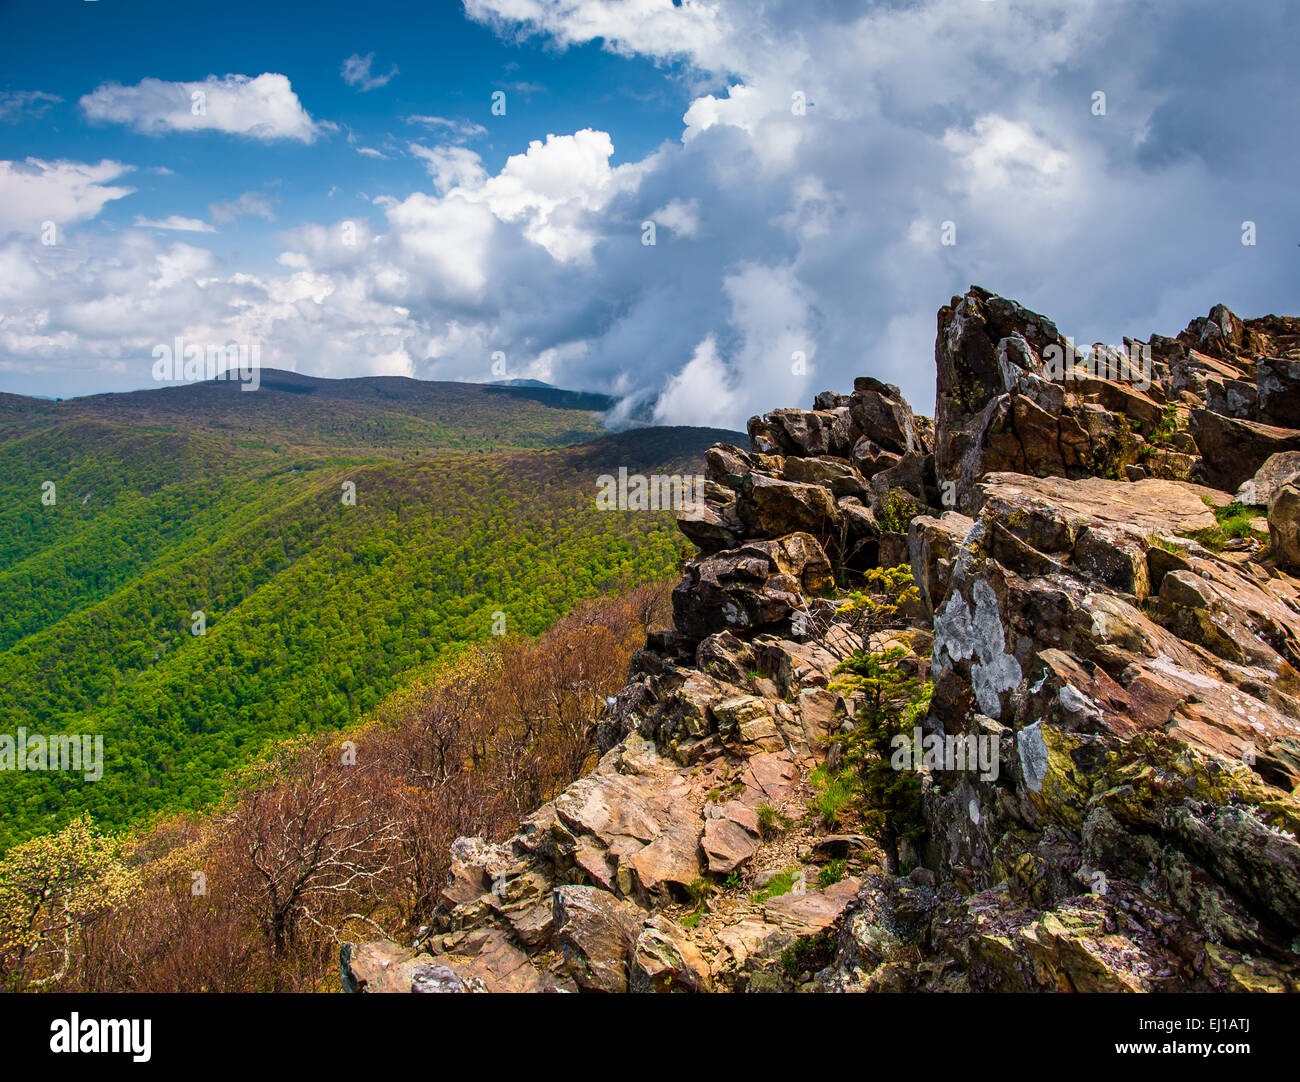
<point>1106,568</point>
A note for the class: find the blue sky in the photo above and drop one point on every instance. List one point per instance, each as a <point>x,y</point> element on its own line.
<point>348,200</point>
<point>447,66</point>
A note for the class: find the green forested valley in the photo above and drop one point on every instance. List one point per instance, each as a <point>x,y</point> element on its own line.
<point>469,501</point>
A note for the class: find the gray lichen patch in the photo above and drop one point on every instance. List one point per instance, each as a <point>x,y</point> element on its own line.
<point>964,632</point>
<point>1033,755</point>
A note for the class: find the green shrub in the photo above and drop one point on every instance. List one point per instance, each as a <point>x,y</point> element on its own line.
<point>834,871</point>
<point>772,821</point>
<point>699,889</point>
<point>1232,520</point>
<point>835,795</point>
<point>896,511</point>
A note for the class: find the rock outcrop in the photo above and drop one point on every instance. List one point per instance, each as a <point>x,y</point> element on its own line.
<point>1095,619</point>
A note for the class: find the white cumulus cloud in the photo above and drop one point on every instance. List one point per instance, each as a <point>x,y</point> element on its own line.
<point>34,191</point>
<point>263,107</point>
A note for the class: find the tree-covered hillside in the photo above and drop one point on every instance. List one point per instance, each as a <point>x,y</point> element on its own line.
<point>326,568</point>
<point>377,415</point>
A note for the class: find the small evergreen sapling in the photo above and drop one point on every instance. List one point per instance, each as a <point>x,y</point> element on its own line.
<point>890,702</point>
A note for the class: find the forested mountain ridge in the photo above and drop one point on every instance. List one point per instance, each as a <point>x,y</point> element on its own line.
<point>325,566</point>
<point>380,414</point>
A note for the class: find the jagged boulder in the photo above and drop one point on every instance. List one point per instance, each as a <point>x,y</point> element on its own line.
<point>1284,525</point>
<point>793,665</point>
<point>1009,400</point>
<point>725,657</point>
<point>835,474</point>
<point>1278,470</point>
<point>1221,333</point>
<point>981,339</point>
<point>596,932</point>
<point>729,465</point>
<point>376,967</point>
<point>745,589</point>
<point>1200,378</point>
<point>801,432</point>
<point>881,415</point>
<point>731,836</point>
<point>1231,397</point>
<point>715,523</point>
<point>628,826</point>
<point>771,507</point>
<point>475,865</point>
<point>747,719</point>
<point>1233,449</point>
<point>869,458</point>
<point>665,960</point>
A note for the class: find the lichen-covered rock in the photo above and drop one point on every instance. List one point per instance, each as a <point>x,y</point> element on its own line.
<point>746,589</point>
<point>1147,718</point>
<point>1277,470</point>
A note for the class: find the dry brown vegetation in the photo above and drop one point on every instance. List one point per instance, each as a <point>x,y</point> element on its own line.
<point>326,838</point>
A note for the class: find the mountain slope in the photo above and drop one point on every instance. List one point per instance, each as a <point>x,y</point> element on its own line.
<point>322,576</point>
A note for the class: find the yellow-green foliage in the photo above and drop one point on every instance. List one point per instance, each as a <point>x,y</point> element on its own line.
<point>772,821</point>
<point>884,592</point>
<point>896,511</point>
<point>50,889</point>
<point>780,884</point>
<point>1232,520</point>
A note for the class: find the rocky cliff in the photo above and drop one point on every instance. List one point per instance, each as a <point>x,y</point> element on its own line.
<point>1104,555</point>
